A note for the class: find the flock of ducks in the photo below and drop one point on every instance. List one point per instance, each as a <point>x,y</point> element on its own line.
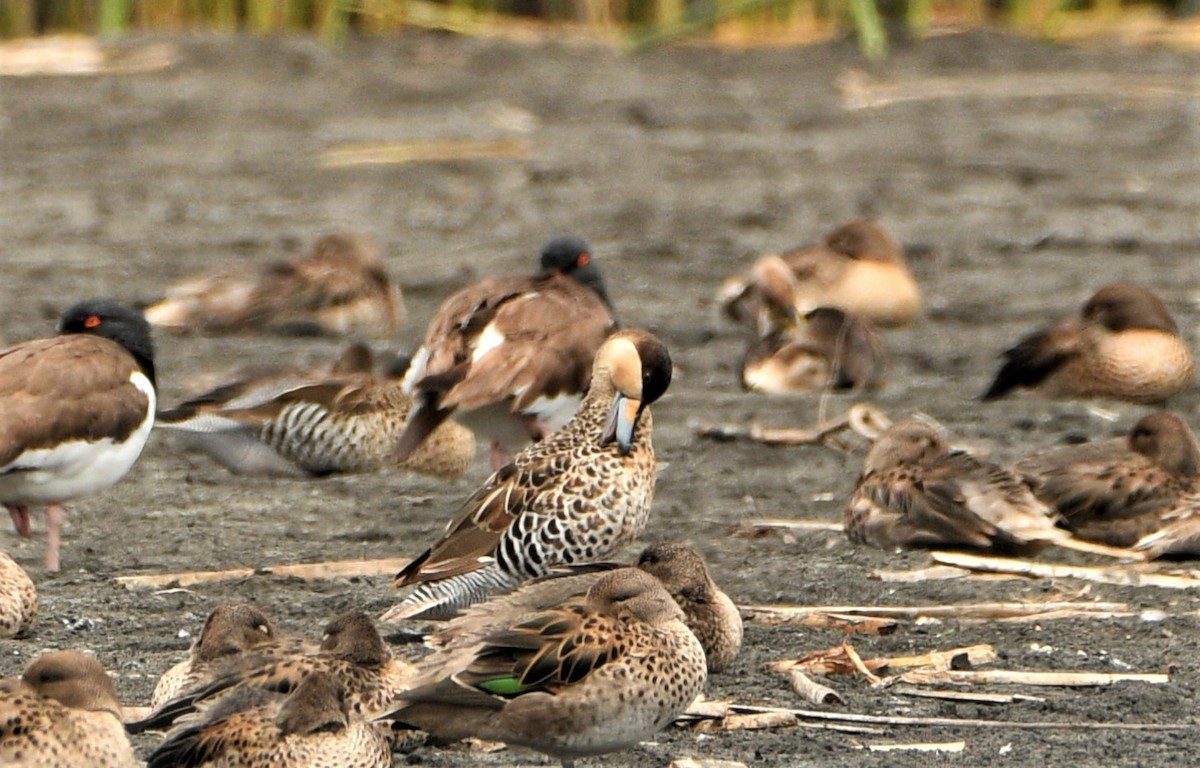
<point>543,641</point>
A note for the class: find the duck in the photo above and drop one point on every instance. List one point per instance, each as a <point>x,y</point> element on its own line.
<point>76,410</point>
<point>830,349</point>
<point>311,726</point>
<point>231,631</point>
<point>63,712</point>
<point>575,497</point>
<point>341,287</point>
<point>916,492</point>
<point>511,356</point>
<point>708,611</point>
<point>594,675</point>
<point>1118,492</point>
<point>858,268</point>
<point>351,650</point>
<point>298,424</point>
<point>1123,345</point>
<point>18,598</point>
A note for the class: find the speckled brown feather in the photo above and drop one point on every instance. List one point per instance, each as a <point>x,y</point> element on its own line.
<point>346,423</point>
<point>859,268</point>
<point>341,287</point>
<point>916,492</point>
<point>43,407</point>
<point>829,350</point>
<point>595,675</point>
<point>231,630</point>
<point>709,612</point>
<point>310,728</point>
<point>18,598</point>
<point>62,713</point>
<point>568,472</point>
<point>573,497</point>
<point>352,653</point>
<point>1118,491</point>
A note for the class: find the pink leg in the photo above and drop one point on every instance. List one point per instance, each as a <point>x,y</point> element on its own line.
<point>20,517</point>
<point>54,520</point>
<point>498,457</point>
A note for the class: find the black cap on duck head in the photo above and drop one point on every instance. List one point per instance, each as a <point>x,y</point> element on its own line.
<point>573,256</point>
<point>1124,306</point>
<point>116,322</point>
<point>638,369</point>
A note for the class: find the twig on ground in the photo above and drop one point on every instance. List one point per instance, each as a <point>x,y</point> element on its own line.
<point>797,614</point>
<point>1122,575</point>
<point>1024,677</point>
<point>333,569</point>
<point>864,419</point>
<point>970,697</point>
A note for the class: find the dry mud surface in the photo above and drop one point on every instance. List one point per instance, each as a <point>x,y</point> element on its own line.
<point>1021,175</point>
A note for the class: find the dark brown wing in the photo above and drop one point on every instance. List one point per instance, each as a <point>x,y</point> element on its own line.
<point>1104,491</point>
<point>481,524</point>
<point>462,315</point>
<point>550,338</point>
<point>546,652</point>
<point>72,387</point>
<point>1034,358</point>
<point>207,741</point>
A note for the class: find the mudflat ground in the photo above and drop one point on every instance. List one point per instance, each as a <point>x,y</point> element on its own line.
<point>1020,174</point>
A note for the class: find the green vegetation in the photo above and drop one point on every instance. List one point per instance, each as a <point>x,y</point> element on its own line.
<point>636,23</point>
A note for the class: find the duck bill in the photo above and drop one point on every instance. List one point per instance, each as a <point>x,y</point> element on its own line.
<point>622,418</point>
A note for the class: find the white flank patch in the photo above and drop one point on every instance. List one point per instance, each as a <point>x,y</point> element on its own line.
<point>489,339</point>
<point>77,468</point>
<point>416,370</point>
<point>554,412</point>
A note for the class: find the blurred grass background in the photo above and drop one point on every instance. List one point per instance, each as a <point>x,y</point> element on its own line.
<point>633,23</point>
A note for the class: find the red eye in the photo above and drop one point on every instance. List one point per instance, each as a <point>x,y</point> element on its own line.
<point>584,260</point>
<point>92,321</point>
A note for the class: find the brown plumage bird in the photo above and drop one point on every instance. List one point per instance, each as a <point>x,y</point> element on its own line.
<point>593,675</point>
<point>859,268</point>
<point>18,598</point>
<point>1123,344</point>
<point>314,423</point>
<point>341,287</point>
<point>310,728</point>
<point>574,497</point>
<point>231,631</point>
<point>511,356</point>
<point>915,491</point>
<point>352,652</point>
<point>75,412</point>
<point>1120,492</point>
<point>828,350</point>
<point>62,712</point>
<point>709,612</point>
